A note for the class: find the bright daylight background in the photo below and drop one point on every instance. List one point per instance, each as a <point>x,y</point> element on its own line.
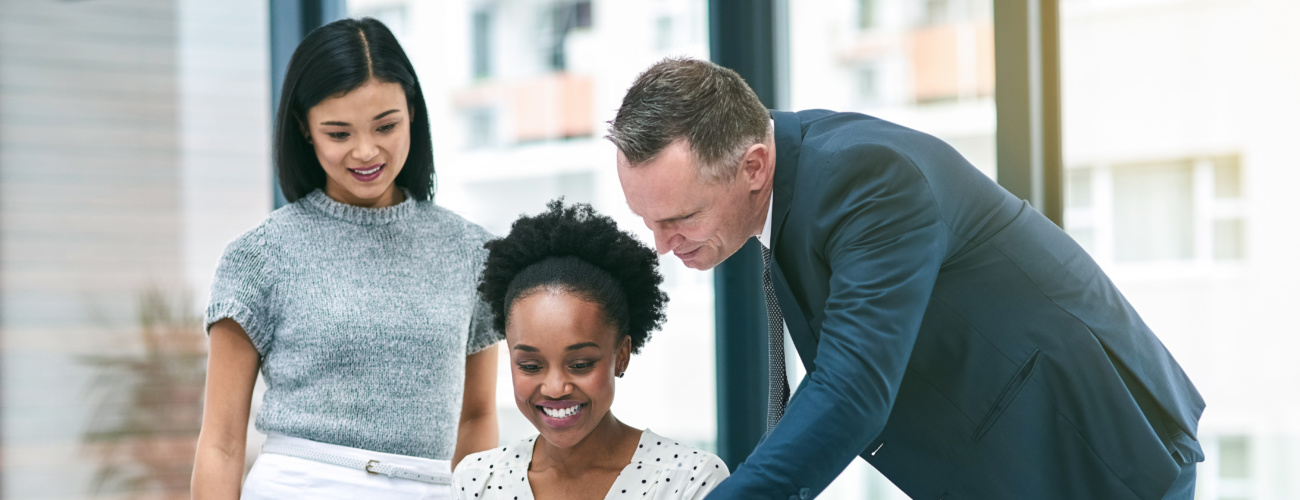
<point>135,142</point>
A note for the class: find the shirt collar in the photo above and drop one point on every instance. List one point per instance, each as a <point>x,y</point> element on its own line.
<point>766,236</point>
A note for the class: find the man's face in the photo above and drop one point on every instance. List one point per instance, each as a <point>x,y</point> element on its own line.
<point>702,223</point>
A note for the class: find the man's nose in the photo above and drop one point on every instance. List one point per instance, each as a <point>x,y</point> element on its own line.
<point>665,240</point>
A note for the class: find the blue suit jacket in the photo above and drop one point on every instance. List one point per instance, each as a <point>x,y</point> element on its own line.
<point>954,338</point>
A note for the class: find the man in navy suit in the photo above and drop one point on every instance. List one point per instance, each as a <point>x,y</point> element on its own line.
<point>953,337</point>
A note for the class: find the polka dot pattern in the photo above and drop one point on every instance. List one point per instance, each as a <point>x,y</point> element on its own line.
<point>660,469</point>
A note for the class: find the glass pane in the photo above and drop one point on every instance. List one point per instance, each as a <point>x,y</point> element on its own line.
<point>927,65</point>
<point>1234,457</point>
<point>1079,192</point>
<point>1153,212</point>
<point>1229,239</point>
<point>1227,178</point>
<point>133,146</point>
<point>519,92</point>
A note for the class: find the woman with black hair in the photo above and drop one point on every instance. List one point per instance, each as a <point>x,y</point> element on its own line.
<point>576,298</point>
<point>356,300</point>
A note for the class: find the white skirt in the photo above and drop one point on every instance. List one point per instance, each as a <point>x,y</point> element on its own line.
<point>276,476</point>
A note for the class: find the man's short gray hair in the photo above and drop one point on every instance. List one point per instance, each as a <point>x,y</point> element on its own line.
<point>709,106</point>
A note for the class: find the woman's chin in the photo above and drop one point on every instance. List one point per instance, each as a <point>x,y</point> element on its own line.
<point>370,195</point>
<point>564,432</point>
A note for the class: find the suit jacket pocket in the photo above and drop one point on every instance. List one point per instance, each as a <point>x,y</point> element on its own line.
<point>1008,395</point>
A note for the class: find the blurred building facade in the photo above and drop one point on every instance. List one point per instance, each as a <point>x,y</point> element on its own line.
<point>1180,180</point>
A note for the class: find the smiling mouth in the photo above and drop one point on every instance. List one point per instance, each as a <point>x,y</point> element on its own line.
<point>367,171</point>
<point>562,412</point>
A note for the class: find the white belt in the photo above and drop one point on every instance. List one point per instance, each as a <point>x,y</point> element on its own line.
<point>371,466</point>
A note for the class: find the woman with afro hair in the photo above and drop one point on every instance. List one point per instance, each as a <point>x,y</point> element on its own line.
<point>576,297</point>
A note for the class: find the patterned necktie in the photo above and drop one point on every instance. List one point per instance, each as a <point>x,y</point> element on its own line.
<point>778,388</point>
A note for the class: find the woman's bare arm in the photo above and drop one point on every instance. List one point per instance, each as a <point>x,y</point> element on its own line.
<point>478,412</point>
<point>232,371</point>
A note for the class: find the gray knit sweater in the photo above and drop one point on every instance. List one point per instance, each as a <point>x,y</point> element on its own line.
<point>363,318</point>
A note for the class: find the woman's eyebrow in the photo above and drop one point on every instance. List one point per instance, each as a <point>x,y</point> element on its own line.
<point>583,345</point>
<point>346,124</point>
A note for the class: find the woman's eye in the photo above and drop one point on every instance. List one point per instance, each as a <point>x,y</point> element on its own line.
<point>529,368</point>
<point>388,127</point>
<point>581,366</point>
<point>338,136</point>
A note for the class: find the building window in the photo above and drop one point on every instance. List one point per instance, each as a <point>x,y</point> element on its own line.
<point>866,14</point>
<point>1189,209</point>
<point>664,32</point>
<point>1154,213</point>
<point>481,128</point>
<point>481,44</point>
<point>936,12</point>
<point>565,17</point>
<point>1235,469</point>
<point>868,85</point>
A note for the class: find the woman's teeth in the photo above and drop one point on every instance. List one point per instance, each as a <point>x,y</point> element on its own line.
<point>567,412</point>
<point>368,172</point>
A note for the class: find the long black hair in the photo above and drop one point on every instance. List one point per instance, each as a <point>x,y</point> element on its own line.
<point>575,250</point>
<point>334,59</point>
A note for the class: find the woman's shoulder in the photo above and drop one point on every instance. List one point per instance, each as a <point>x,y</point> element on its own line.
<point>670,454</point>
<point>514,455</point>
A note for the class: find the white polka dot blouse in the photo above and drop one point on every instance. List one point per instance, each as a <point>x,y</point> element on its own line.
<point>661,469</point>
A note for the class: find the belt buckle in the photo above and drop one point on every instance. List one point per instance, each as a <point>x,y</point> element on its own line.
<point>370,464</point>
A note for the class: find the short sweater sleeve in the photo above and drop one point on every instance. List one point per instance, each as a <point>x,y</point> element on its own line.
<point>240,289</point>
<point>482,334</point>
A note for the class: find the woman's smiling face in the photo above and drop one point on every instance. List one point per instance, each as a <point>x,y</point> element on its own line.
<point>564,357</point>
<point>362,139</point>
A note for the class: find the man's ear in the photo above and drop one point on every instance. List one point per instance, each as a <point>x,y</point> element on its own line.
<point>755,165</point>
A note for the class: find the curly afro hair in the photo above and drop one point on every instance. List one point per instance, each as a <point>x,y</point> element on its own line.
<point>576,250</point>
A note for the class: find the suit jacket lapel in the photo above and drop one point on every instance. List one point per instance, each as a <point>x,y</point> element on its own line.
<point>788,135</point>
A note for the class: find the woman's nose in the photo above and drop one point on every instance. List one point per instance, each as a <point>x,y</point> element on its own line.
<point>555,384</point>
<point>366,150</point>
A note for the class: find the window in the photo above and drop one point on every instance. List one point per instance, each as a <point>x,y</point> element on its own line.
<point>565,17</point>
<point>868,85</point>
<point>481,128</point>
<point>1176,211</point>
<point>481,43</point>
<point>866,14</point>
<point>1153,212</point>
<point>1234,477</point>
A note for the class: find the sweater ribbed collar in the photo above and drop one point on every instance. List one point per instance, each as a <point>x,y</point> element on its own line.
<point>362,215</point>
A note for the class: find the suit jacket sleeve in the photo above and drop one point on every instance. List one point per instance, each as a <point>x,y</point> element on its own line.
<point>878,228</point>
